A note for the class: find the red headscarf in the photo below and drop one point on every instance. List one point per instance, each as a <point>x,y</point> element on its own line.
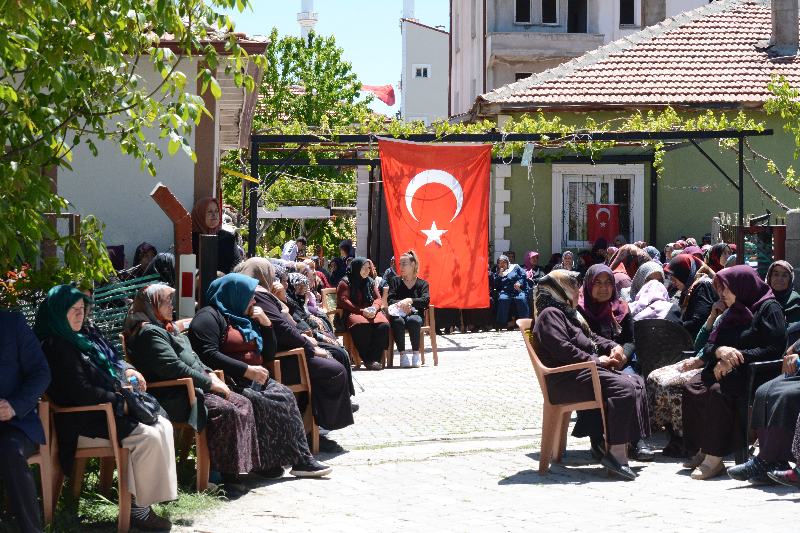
<point>199,217</point>
<point>714,256</point>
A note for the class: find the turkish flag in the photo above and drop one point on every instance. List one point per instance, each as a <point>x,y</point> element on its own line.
<point>437,197</point>
<point>385,93</point>
<point>603,221</point>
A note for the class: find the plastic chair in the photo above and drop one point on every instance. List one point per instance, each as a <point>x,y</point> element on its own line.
<point>428,329</point>
<point>555,421</point>
<point>107,455</point>
<point>660,343</point>
<point>44,458</point>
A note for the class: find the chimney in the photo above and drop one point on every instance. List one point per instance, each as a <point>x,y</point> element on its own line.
<point>307,18</point>
<point>408,10</point>
<point>653,12</point>
<point>784,40</point>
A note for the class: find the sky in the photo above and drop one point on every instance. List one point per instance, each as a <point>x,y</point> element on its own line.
<point>367,30</point>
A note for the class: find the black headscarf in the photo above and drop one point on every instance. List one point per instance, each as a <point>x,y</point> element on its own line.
<point>163,265</point>
<point>355,281</point>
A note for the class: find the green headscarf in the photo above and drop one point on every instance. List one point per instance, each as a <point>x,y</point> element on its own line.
<point>51,319</point>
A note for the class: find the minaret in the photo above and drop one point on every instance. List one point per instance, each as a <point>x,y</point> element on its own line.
<point>307,18</point>
<point>408,10</point>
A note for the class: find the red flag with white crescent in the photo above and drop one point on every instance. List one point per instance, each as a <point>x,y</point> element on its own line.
<point>437,197</point>
<point>603,221</point>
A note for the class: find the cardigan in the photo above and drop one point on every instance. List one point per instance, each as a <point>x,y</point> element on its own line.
<point>353,311</point>
<point>699,307</point>
<point>419,293</point>
<point>559,342</point>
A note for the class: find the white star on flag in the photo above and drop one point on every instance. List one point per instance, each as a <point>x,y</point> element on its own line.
<point>434,234</point>
<point>603,224</point>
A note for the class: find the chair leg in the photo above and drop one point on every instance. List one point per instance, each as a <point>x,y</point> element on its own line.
<point>203,460</point>
<point>563,427</point>
<point>76,478</point>
<point>124,523</point>
<point>106,475</point>
<point>46,473</point>
<point>549,423</point>
<point>187,435</point>
<point>422,347</point>
<point>434,350</point>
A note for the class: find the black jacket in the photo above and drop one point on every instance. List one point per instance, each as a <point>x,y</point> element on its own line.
<point>699,307</point>
<point>286,334</point>
<point>624,338</point>
<point>227,254</point>
<point>763,340</point>
<point>419,293</point>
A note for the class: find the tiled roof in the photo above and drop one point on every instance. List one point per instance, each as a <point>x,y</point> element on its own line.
<point>706,57</point>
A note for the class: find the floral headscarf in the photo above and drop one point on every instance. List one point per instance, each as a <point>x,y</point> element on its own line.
<point>559,289</point>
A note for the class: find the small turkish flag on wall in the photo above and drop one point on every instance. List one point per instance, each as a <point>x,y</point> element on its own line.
<point>603,221</point>
<point>437,198</point>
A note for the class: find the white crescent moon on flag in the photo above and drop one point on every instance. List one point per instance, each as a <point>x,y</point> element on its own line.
<point>426,177</point>
<point>597,215</point>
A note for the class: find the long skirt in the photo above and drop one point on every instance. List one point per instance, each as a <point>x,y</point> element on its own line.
<point>796,442</point>
<point>279,427</point>
<point>151,462</point>
<point>709,413</point>
<point>231,434</point>
<point>624,393</point>
<point>665,396</point>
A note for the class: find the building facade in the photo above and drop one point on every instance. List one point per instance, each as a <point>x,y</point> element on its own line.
<point>425,73</point>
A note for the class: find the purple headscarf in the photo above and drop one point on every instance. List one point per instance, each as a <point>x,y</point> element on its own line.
<point>750,292</point>
<point>608,314</point>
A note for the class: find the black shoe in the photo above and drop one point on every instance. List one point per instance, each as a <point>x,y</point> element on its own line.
<point>789,478</point>
<point>375,365</point>
<point>755,467</point>
<point>275,472</point>
<point>762,480</point>
<point>312,468</point>
<point>353,405</point>
<point>152,522</point>
<point>610,462</point>
<point>231,483</point>
<point>327,445</point>
<point>597,447</point>
<point>640,451</point>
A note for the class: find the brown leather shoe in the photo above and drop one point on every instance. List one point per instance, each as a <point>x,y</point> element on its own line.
<point>153,522</point>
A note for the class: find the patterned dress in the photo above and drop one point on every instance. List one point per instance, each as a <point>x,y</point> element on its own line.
<point>796,441</point>
<point>231,434</point>
<point>665,396</point>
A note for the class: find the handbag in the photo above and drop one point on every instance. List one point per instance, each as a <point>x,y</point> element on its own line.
<point>142,407</point>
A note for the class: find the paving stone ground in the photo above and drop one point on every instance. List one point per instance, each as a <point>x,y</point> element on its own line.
<point>455,448</point>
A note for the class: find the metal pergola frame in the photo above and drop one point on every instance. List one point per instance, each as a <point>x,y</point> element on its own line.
<point>257,141</point>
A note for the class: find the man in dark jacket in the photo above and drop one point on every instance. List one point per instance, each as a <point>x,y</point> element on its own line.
<point>24,376</point>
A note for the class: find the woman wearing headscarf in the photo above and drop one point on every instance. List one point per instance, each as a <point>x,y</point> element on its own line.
<point>625,263</point>
<point>164,265</point>
<point>561,336</point>
<point>654,254</point>
<point>694,279</point>
<point>752,329</point>
<point>357,294</point>
<point>234,335</point>
<point>691,241</point>
<point>531,266</point>
<point>585,260</point>
<point>331,385</point>
<point>668,252</point>
<point>608,317</point>
<point>410,295</point>
<point>620,241</point>
<point>567,261</point>
<point>141,259</point>
<point>647,272</point>
<point>338,271</point>
<point>652,301</point>
<point>155,344</point>
<point>599,251</point>
<point>512,285</point>
<point>695,251</point>
<point>207,220</point>
<point>84,378</point>
<point>120,263</point>
<point>780,278</point>
<point>554,260</point>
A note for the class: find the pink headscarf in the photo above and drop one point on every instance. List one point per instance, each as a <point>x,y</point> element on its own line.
<point>652,301</point>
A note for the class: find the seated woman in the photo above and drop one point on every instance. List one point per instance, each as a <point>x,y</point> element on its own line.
<point>511,284</point>
<point>156,346</point>
<point>207,220</point>
<point>585,260</point>
<point>600,251</point>
<point>554,260</point>
<point>562,337</point>
<point>338,271</point>
<point>164,265</point>
<point>694,279</point>
<point>330,389</point>
<point>531,266</point>
<point>780,278</point>
<point>232,334</point>
<point>141,259</point>
<point>84,373</point>
<point>752,329</point>
<point>654,254</point>
<point>410,295</point>
<point>647,272</point>
<point>568,260</point>
<point>718,255</point>
<point>358,296</point>
<point>652,301</point>
<point>608,317</point>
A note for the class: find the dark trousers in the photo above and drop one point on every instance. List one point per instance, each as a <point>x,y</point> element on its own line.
<point>775,444</point>
<point>370,340</point>
<point>399,325</point>
<point>15,449</point>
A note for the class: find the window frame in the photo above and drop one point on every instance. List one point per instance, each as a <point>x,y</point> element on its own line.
<point>425,66</point>
<point>558,14</point>
<point>530,14</point>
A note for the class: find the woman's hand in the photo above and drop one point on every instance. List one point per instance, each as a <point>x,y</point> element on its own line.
<point>693,363</point>
<point>261,317</point>
<point>257,373</point>
<point>319,352</point>
<point>717,309</point>
<point>732,356</point>
<point>721,369</point>
<point>789,364</point>
<point>366,313</point>
<point>142,382</point>
<point>618,357</point>
<point>219,387</point>
<point>517,286</point>
<point>406,305</point>
<point>606,361</point>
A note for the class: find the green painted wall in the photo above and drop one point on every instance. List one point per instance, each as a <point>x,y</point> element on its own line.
<point>680,210</point>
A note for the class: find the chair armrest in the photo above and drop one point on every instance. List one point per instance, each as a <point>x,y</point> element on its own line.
<point>576,366</point>
<point>85,408</point>
<point>293,351</point>
<point>220,374</point>
<point>181,382</point>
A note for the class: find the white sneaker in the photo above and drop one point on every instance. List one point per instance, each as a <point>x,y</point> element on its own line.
<point>404,361</point>
<point>416,360</point>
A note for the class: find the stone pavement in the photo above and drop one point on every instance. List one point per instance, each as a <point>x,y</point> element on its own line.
<point>456,448</point>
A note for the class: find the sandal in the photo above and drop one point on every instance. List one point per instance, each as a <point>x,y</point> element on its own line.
<point>703,471</point>
<point>695,461</point>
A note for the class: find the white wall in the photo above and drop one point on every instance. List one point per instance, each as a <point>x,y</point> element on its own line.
<point>467,54</point>
<point>111,187</point>
<point>424,97</point>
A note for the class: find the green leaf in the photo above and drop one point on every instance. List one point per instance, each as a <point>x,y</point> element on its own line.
<point>216,90</point>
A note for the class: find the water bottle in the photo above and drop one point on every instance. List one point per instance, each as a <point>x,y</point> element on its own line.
<point>134,382</point>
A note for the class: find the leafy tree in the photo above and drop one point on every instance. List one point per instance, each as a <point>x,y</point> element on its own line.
<point>308,86</point>
<point>70,73</point>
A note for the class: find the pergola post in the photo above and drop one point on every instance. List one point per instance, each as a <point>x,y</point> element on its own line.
<point>740,234</point>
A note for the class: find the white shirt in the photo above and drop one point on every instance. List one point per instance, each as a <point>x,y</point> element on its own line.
<point>289,251</point>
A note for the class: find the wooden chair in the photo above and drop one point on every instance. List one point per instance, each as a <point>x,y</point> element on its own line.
<point>44,458</point>
<point>428,329</point>
<point>107,455</point>
<point>330,308</point>
<point>555,421</point>
<point>304,386</point>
